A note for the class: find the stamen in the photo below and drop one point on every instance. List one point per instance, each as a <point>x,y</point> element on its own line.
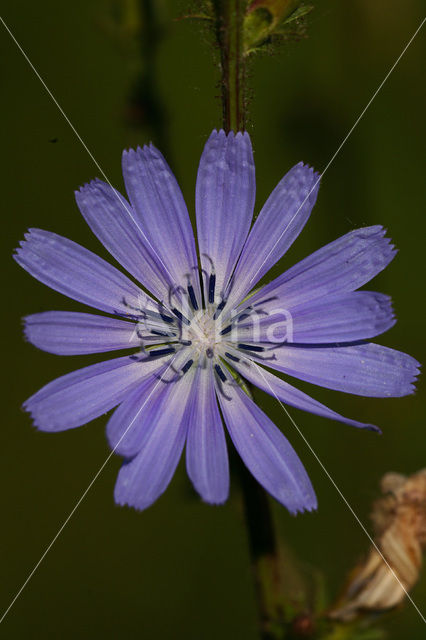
<point>212,284</point>
<point>162,333</point>
<point>220,373</point>
<point>243,316</point>
<point>247,312</point>
<point>219,309</point>
<point>206,255</point>
<point>211,279</point>
<point>257,349</point>
<point>140,313</point>
<point>221,379</point>
<point>154,338</point>
<point>143,314</point>
<point>234,358</point>
<point>180,316</point>
<point>273,357</point>
<point>142,356</point>
<point>167,319</point>
<point>200,274</point>
<point>162,352</point>
<point>173,291</point>
<point>175,378</point>
<point>187,366</point>
<point>209,352</point>
<point>257,304</point>
<point>250,347</point>
<point>178,374</point>
<point>192,297</point>
<point>233,383</point>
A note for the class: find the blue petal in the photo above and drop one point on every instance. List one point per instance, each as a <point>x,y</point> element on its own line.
<point>280,221</point>
<point>142,480</point>
<point>340,317</point>
<point>288,394</point>
<point>69,333</point>
<point>133,421</point>
<point>85,394</point>
<point>342,265</point>
<point>162,213</point>
<point>225,195</point>
<point>206,453</point>
<point>78,273</point>
<point>113,220</point>
<point>266,452</point>
<point>365,369</point>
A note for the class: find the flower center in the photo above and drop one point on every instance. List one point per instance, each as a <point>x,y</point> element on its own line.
<point>202,332</point>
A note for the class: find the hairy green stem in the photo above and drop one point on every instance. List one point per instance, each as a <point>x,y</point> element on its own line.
<point>229,24</point>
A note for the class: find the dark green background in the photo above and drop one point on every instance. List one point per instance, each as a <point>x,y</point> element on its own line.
<point>180,569</point>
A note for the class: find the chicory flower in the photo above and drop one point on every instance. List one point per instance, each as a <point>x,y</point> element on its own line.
<point>197,331</point>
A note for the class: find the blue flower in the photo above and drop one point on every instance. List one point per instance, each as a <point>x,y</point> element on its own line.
<point>199,332</point>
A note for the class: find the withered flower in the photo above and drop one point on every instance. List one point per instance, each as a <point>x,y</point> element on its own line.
<point>399,520</point>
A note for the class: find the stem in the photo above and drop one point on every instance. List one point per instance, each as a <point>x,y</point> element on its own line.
<point>260,527</point>
<point>264,556</point>
<point>229,23</point>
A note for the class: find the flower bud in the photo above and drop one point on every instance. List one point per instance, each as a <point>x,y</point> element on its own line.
<point>266,20</point>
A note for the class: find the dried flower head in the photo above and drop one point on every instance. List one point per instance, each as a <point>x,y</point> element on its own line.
<point>399,518</point>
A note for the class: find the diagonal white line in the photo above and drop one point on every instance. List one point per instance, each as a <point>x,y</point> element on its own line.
<point>85,147</point>
<point>345,139</point>
<point>284,408</point>
<point>79,501</point>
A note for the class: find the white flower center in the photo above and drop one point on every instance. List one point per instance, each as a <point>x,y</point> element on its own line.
<point>202,332</point>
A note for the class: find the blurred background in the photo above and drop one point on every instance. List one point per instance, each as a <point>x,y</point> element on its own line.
<point>181,569</point>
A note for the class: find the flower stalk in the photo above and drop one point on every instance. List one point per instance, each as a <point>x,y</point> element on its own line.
<point>264,554</point>
<point>229,17</point>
